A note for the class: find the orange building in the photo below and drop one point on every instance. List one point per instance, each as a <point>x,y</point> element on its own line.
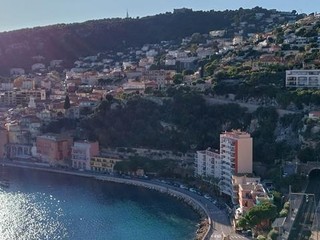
<point>248,193</point>
<point>3,141</point>
<point>54,148</point>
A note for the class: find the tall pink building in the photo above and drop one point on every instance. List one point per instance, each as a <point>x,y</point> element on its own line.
<point>236,156</point>
<point>54,148</point>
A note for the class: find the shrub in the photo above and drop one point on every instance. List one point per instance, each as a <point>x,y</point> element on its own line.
<point>283,213</point>
<point>273,234</point>
<point>261,237</point>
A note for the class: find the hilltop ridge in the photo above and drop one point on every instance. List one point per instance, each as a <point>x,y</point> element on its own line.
<point>22,48</point>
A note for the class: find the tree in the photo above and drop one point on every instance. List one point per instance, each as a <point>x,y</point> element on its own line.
<point>177,78</point>
<point>259,216</point>
<point>187,72</point>
<point>66,104</point>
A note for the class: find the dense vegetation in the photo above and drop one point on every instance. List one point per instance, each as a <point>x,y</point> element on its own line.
<point>183,122</point>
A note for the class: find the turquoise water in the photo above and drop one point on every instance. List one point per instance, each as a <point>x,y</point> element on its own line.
<point>41,205</point>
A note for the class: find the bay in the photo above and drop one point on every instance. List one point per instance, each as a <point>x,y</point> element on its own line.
<point>43,205</point>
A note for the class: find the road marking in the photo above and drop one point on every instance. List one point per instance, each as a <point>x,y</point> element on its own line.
<point>216,236</point>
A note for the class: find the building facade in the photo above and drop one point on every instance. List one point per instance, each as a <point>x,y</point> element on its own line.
<point>208,164</point>
<point>303,78</point>
<point>103,164</point>
<point>54,148</point>
<point>235,157</point>
<point>248,192</point>
<point>3,141</point>
<point>82,152</point>
<point>22,97</point>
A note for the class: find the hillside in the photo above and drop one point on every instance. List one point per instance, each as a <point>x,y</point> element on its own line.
<point>70,41</point>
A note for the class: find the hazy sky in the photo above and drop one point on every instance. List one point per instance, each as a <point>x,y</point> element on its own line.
<point>16,14</point>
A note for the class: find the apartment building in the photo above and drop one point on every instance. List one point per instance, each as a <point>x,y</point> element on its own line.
<point>16,97</point>
<point>103,164</point>
<point>54,148</point>
<point>208,163</point>
<point>248,192</point>
<point>235,157</point>
<point>82,152</point>
<point>303,78</point>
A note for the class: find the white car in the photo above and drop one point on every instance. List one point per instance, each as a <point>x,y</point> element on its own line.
<point>207,196</point>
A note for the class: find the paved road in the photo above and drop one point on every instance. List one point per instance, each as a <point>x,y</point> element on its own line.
<point>306,216</point>
<point>251,107</point>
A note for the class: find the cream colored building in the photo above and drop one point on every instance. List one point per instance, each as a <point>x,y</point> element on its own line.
<point>103,164</point>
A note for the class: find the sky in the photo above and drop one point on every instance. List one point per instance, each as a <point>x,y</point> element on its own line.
<point>17,14</point>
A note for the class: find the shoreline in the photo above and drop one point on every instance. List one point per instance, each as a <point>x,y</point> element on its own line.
<point>204,226</point>
<point>205,220</point>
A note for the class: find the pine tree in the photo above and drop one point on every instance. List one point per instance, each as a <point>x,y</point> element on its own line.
<point>66,104</point>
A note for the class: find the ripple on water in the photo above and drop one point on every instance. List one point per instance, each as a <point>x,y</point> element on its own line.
<point>23,216</point>
<point>40,205</point>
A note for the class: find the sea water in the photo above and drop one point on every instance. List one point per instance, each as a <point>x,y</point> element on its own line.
<point>43,205</point>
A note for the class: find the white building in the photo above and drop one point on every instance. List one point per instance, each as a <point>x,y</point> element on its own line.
<point>7,86</point>
<point>82,152</point>
<point>151,53</point>
<point>217,33</point>
<point>237,40</point>
<point>170,62</point>
<point>208,164</point>
<point>204,52</point>
<point>303,78</point>
<point>38,66</point>
<point>28,84</point>
<point>17,71</point>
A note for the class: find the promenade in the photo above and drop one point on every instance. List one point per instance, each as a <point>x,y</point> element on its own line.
<point>219,223</point>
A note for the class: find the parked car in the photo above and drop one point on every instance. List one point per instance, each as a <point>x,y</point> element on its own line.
<point>183,186</point>
<point>207,196</point>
